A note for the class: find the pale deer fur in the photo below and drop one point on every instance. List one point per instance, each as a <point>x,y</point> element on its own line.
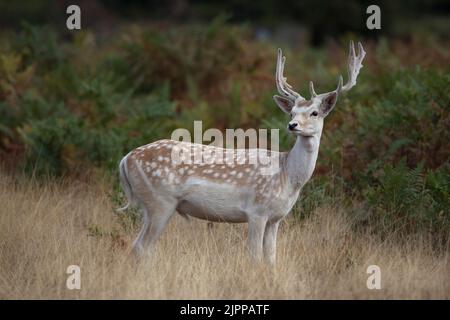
<point>232,191</point>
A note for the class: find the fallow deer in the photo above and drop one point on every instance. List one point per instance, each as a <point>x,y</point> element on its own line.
<point>234,191</point>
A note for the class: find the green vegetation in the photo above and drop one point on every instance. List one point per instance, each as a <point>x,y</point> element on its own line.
<point>73,107</point>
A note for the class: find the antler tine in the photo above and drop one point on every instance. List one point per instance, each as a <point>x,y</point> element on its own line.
<point>340,83</point>
<point>311,90</point>
<point>283,87</point>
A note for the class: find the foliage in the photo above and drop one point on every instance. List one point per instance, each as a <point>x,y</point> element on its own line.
<point>411,197</point>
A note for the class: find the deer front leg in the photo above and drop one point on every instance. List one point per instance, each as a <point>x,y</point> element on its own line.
<point>256,227</point>
<point>270,241</point>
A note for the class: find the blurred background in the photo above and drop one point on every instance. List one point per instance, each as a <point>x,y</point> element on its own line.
<point>72,103</point>
<point>311,21</point>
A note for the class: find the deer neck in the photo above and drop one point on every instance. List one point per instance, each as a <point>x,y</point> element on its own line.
<point>301,160</point>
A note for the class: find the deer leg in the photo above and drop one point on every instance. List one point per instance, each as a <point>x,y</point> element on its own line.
<point>158,215</point>
<point>137,244</point>
<point>256,226</point>
<point>270,241</point>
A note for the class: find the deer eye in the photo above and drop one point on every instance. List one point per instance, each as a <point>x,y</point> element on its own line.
<point>314,114</point>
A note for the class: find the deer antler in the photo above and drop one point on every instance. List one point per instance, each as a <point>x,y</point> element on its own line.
<point>354,65</point>
<point>283,87</point>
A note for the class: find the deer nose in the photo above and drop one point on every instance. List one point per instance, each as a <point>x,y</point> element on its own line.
<point>292,125</point>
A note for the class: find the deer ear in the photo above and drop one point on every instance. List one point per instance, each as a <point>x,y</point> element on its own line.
<point>328,103</point>
<point>283,103</point>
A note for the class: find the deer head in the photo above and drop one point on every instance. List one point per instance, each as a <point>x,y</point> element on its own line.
<point>307,115</point>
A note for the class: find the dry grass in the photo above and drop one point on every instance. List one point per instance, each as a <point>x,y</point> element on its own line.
<point>45,228</point>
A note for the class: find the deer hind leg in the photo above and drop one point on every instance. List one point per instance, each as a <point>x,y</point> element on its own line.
<point>137,244</point>
<point>157,214</point>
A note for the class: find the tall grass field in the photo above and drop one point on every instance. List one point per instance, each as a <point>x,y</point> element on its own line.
<point>47,228</point>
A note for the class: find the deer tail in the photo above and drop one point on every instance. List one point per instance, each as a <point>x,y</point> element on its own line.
<point>126,186</point>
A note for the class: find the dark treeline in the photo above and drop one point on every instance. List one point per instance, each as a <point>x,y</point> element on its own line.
<point>320,18</point>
